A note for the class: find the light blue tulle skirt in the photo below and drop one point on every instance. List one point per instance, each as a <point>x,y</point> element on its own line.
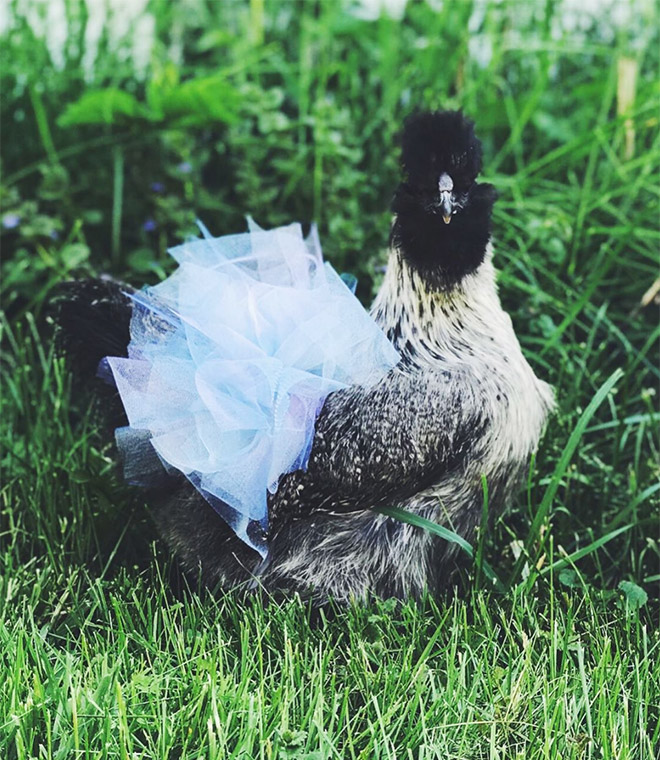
<point>230,361</point>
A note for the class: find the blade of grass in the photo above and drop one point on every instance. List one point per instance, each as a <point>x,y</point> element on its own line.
<point>481,541</point>
<point>117,199</point>
<point>42,124</point>
<point>639,499</point>
<point>573,557</point>
<point>402,515</point>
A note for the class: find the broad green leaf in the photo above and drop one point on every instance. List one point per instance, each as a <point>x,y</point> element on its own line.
<point>141,260</point>
<point>634,595</point>
<point>570,578</point>
<point>108,106</point>
<point>74,254</point>
<point>200,101</point>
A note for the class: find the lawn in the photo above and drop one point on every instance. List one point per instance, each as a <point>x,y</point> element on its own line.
<point>119,129</point>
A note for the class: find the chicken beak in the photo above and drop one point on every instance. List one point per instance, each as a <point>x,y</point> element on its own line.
<point>446,206</point>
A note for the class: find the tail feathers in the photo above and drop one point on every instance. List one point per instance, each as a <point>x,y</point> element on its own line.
<point>92,319</point>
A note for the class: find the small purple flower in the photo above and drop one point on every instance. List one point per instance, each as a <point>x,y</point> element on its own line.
<point>11,221</point>
<point>157,187</point>
<point>54,235</point>
<point>149,225</point>
<point>185,167</point>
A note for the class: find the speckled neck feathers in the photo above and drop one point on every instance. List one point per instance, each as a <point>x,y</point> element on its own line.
<point>426,323</point>
<point>464,337</point>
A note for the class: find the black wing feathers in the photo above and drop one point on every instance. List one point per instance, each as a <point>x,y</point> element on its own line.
<point>374,447</point>
<point>93,319</point>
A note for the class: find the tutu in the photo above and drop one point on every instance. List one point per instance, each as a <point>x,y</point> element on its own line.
<point>230,361</point>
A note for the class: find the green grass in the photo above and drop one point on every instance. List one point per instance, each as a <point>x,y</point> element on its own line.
<point>290,111</point>
<point>122,668</point>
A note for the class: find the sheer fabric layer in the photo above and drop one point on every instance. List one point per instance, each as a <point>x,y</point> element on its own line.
<point>230,361</point>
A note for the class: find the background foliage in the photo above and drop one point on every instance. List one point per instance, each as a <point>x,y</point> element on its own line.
<point>120,126</point>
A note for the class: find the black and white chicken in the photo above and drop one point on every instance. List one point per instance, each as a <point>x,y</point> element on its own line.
<point>461,404</point>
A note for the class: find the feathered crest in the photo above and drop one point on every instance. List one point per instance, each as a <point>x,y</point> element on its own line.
<point>440,141</point>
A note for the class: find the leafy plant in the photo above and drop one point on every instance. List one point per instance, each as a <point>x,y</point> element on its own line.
<point>197,102</point>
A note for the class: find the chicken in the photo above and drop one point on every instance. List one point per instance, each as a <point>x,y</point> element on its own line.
<point>461,404</point>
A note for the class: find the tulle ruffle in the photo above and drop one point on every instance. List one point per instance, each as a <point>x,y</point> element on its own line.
<point>230,361</point>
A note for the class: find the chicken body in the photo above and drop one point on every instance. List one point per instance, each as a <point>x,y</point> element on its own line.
<point>462,404</point>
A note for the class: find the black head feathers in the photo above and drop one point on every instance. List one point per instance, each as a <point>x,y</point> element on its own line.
<point>440,141</point>
<point>443,225</point>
